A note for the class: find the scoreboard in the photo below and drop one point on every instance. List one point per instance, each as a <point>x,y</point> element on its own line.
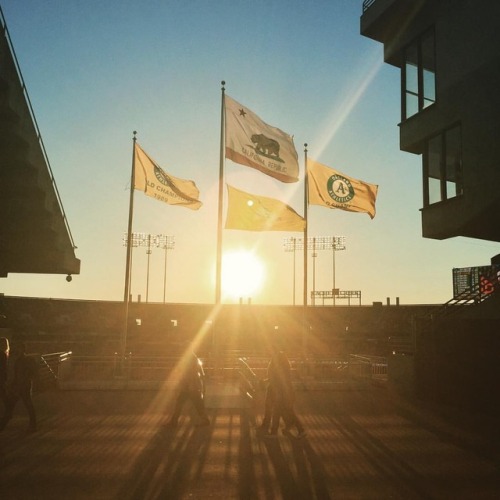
<point>474,282</point>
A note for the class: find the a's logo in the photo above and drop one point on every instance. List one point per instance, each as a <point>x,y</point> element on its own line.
<point>340,189</point>
<point>486,286</point>
<point>162,176</point>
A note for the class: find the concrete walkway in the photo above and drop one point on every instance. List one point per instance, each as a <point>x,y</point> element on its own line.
<point>361,444</point>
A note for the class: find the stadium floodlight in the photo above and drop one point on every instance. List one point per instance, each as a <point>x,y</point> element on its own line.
<point>151,241</point>
<point>167,243</point>
<point>333,243</point>
<point>315,243</point>
<point>291,245</point>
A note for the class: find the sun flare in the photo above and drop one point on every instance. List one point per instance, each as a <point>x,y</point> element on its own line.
<point>242,274</point>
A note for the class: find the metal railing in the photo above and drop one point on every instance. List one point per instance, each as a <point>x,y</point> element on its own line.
<point>368,367</point>
<point>249,381</point>
<point>69,371</point>
<point>48,370</point>
<point>469,298</point>
<point>367,4</point>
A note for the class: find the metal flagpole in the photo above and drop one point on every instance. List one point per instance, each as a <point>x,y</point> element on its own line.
<point>148,253</point>
<point>126,294</point>
<point>294,251</point>
<point>306,200</point>
<point>304,306</point>
<point>221,195</point>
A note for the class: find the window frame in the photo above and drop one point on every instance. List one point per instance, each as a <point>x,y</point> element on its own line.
<point>443,136</point>
<point>417,44</point>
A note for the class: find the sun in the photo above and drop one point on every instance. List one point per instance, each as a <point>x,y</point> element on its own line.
<point>242,274</point>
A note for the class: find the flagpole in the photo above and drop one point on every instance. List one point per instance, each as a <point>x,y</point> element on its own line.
<point>306,201</point>
<point>221,195</point>
<point>304,306</point>
<point>128,265</point>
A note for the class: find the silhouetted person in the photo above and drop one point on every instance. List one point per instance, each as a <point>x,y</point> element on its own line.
<point>283,394</point>
<point>4,357</point>
<point>268,408</point>
<point>21,371</point>
<point>191,387</point>
<point>268,401</point>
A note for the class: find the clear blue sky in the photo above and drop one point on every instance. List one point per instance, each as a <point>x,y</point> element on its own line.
<point>96,71</point>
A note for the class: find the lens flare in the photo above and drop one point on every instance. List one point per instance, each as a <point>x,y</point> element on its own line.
<point>242,274</point>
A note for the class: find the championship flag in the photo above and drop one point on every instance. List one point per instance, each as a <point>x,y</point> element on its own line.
<point>251,142</point>
<point>249,212</point>
<point>331,188</point>
<point>153,181</point>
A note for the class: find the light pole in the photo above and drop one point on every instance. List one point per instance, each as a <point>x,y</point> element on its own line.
<point>148,253</point>
<point>333,243</point>
<point>167,243</point>
<point>314,243</point>
<point>314,255</point>
<point>290,245</point>
<point>149,241</point>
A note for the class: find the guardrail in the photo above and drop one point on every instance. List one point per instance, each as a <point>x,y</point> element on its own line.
<point>249,381</point>
<point>365,367</point>
<point>107,372</point>
<point>49,367</point>
<point>367,4</point>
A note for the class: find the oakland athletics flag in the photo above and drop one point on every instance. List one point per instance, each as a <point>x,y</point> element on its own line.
<point>154,182</point>
<point>331,188</point>
<point>249,212</point>
<point>251,142</point>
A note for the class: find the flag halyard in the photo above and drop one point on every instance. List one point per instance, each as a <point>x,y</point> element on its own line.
<point>333,189</point>
<point>153,181</point>
<point>250,141</point>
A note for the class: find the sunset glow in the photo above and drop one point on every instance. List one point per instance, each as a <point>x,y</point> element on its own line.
<point>242,274</point>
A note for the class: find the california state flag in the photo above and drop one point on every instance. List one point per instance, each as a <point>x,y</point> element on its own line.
<point>254,143</point>
<point>333,189</point>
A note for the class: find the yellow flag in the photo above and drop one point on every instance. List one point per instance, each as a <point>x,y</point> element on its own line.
<point>249,212</point>
<point>251,142</point>
<point>154,182</point>
<point>333,189</point>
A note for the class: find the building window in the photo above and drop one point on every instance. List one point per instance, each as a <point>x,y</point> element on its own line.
<point>419,75</point>
<point>442,167</point>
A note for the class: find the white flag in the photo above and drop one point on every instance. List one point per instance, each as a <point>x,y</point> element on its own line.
<point>251,142</point>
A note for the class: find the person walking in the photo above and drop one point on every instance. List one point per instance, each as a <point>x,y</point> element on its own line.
<point>4,358</point>
<point>280,381</point>
<point>191,388</point>
<point>268,407</point>
<point>21,372</point>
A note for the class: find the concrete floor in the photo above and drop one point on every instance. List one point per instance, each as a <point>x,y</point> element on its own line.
<point>362,443</point>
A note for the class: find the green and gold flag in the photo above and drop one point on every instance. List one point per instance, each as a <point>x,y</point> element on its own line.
<point>333,189</point>
<point>154,182</point>
<point>249,212</point>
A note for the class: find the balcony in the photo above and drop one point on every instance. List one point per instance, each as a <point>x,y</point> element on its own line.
<point>382,20</point>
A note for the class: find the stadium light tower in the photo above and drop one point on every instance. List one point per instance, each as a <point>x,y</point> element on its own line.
<point>314,243</point>
<point>290,245</point>
<point>333,243</point>
<point>167,243</point>
<point>150,241</point>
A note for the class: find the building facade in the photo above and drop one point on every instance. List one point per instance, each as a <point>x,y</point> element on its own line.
<point>34,233</point>
<point>449,55</point>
